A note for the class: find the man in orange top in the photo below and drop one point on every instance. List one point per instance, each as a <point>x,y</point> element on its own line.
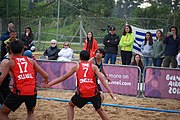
<point>22,70</point>
<point>87,90</point>
<point>90,44</point>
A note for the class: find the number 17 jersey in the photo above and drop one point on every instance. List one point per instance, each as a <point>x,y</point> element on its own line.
<point>23,75</point>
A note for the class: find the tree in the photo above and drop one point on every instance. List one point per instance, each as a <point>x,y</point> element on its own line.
<point>90,7</point>
<point>126,7</point>
<point>9,8</point>
<point>159,14</point>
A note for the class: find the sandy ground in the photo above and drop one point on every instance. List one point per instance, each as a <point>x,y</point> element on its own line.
<point>55,110</point>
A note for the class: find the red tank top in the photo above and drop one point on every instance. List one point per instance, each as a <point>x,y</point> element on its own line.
<point>23,75</point>
<point>86,80</point>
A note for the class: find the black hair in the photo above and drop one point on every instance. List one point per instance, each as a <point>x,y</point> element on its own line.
<point>174,28</point>
<point>84,55</point>
<point>101,50</point>
<point>140,61</point>
<point>16,46</point>
<point>161,34</point>
<point>130,29</point>
<point>90,41</point>
<point>30,34</point>
<point>150,39</point>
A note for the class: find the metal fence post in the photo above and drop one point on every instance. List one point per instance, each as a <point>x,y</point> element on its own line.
<point>0,32</point>
<point>0,26</point>
<point>39,32</point>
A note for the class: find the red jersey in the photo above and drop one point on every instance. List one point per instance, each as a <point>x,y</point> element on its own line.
<point>86,80</point>
<point>23,75</point>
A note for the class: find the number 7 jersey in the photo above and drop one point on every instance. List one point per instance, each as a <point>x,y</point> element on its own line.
<point>86,80</point>
<point>23,75</point>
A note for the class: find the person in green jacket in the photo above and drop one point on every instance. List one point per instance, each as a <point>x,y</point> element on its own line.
<point>126,44</point>
<point>159,48</point>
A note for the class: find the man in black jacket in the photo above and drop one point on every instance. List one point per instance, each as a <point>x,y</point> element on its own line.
<point>172,42</point>
<point>111,42</point>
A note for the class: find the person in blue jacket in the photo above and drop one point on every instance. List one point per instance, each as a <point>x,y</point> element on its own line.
<point>4,37</point>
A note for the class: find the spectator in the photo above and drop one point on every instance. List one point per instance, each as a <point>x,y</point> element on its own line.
<point>90,44</point>
<point>111,42</point>
<point>65,53</point>
<point>4,37</point>
<point>126,44</point>
<point>27,39</point>
<point>171,50</point>
<point>147,49</point>
<point>52,51</point>
<point>138,62</point>
<point>12,37</point>
<point>106,30</point>
<point>159,48</point>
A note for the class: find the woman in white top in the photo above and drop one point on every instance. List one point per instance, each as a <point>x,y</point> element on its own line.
<point>65,53</point>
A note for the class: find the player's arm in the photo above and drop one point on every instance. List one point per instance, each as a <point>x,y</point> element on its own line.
<point>63,77</point>
<point>40,71</point>
<point>96,70</point>
<point>91,60</point>
<point>4,69</point>
<point>104,73</point>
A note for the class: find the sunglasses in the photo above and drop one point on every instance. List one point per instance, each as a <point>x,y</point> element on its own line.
<point>53,43</point>
<point>66,45</point>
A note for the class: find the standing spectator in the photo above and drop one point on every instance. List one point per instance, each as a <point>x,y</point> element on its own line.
<point>65,53</point>
<point>147,49</point>
<point>138,62</point>
<point>90,44</point>
<point>52,51</point>
<point>178,59</point>
<point>12,37</point>
<point>171,50</point>
<point>111,42</point>
<point>126,44</point>
<point>4,37</point>
<point>106,30</point>
<point>27,40</point>
<point>159,48</point>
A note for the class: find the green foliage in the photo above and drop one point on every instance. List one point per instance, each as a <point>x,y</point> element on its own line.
<point>96,14</point>
<point>9,8</point>
<point>158,16</point>
<point>155,11</point>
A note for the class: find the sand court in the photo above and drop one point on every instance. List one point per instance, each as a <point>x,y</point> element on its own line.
<point>56,110</point>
